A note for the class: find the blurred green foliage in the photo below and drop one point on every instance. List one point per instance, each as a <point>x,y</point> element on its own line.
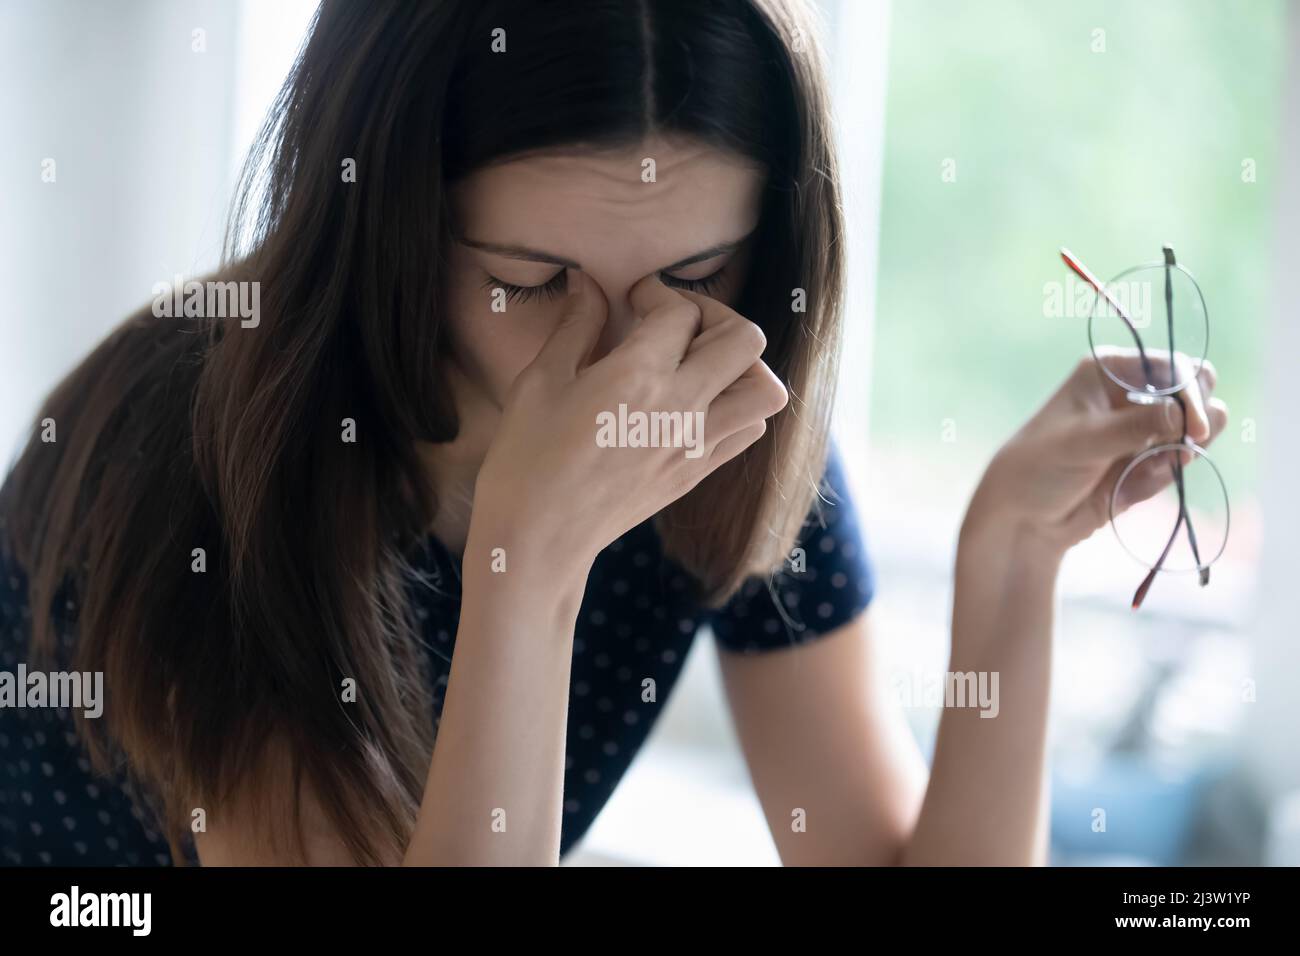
<point>1052,142</point>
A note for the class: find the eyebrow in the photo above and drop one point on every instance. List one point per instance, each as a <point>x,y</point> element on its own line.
<point>534,255</point>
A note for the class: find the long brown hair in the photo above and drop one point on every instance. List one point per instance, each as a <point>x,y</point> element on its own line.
<point>178,435</point>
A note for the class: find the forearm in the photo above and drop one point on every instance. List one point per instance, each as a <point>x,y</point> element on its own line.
<point>495,786</point>
<point>985,803</point>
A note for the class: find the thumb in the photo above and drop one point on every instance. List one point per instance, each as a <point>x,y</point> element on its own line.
<point>585,311</point>
<point>1132,428</point>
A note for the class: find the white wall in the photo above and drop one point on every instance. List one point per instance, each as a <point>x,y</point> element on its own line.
<point>858,49</point>
<point>1274,752</point>
<point>138,126</point>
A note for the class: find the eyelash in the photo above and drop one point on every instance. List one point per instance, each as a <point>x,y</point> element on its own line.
<point>552,288</point>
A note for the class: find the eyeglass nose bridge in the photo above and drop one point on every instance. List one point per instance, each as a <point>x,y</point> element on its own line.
<point>1150,397</point>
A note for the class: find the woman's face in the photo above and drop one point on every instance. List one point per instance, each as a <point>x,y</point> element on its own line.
<point>519,223</point>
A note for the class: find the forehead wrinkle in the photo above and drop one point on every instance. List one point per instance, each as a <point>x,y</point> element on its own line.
<point>661,239</point>
<point>601,205</point>
<point>676,165</point>
<point>606,190</point>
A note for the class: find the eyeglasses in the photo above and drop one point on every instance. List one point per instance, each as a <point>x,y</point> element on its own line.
<point>1196,481</point>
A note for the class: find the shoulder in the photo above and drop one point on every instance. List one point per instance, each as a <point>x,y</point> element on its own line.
<point>827,579</point>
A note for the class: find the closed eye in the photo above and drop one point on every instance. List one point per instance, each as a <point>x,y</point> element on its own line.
<point>528,293</point>
<point>704,286</point>
<point>556,286</point>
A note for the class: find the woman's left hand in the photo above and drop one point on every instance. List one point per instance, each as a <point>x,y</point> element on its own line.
<point>1053,479</point>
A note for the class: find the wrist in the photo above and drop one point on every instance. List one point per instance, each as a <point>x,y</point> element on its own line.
<point>997,514</point>
<point>1004,537</point>
<point>1004,588</point>
<point>507,550</point>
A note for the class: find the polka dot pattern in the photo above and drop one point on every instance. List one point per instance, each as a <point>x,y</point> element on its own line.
<point>828,580</point>
<point>637,622</point>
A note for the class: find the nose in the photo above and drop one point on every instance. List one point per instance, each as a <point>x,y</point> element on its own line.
<point>620,321</point>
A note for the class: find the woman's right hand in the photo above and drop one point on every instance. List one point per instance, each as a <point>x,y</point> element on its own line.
<point>544,470</point>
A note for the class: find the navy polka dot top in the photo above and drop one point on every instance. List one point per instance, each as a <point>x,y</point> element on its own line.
<point>637,621</point>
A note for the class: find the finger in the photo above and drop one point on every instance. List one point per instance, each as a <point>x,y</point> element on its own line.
<point>719,321</point>
<point>1198,421</point>
<point>713,311</point>
<point>733,350</point>
<point>734,444</point>
<point>1217,409</point>
<point>1217,415</point>
<point>585,310</point>
<point>1122,431</point>
<point>1208,376</point>
<point>669,321</point>
<point>743,404</point>
<point>1144,482</point>
<point>1149,478</point>
<point>1126,365</point>
<point>1156,473</point>
<point>722,452</point>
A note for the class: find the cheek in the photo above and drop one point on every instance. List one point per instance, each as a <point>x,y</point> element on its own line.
<point>494,347</point>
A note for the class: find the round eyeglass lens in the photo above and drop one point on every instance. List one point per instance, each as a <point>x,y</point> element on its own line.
<point>1167,312</point>
<point>1145,506</point>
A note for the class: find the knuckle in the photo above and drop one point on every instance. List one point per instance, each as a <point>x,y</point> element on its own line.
<point>1162,421</point>
<point>634,386</point>
<point>748,435</point>
<point>641,386</point>
<point>750,335</point>
<point>689,309</point>
<point>778,395</point>
<point>1210,373</point>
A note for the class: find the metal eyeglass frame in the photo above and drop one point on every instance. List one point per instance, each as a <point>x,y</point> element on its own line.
<point>1150,392</point>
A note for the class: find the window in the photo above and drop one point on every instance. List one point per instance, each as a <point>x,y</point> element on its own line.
<point>1110,128</point>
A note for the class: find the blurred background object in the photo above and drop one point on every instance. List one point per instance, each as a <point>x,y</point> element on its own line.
<point>975,140</point>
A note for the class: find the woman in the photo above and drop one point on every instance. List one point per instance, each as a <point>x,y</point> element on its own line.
<point>486,229</point>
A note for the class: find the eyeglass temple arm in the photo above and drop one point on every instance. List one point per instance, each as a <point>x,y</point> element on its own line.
<point>1183,517</point>
<point>1082,271</point>
<point>1177,465</point>
<point>1140,595</point>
